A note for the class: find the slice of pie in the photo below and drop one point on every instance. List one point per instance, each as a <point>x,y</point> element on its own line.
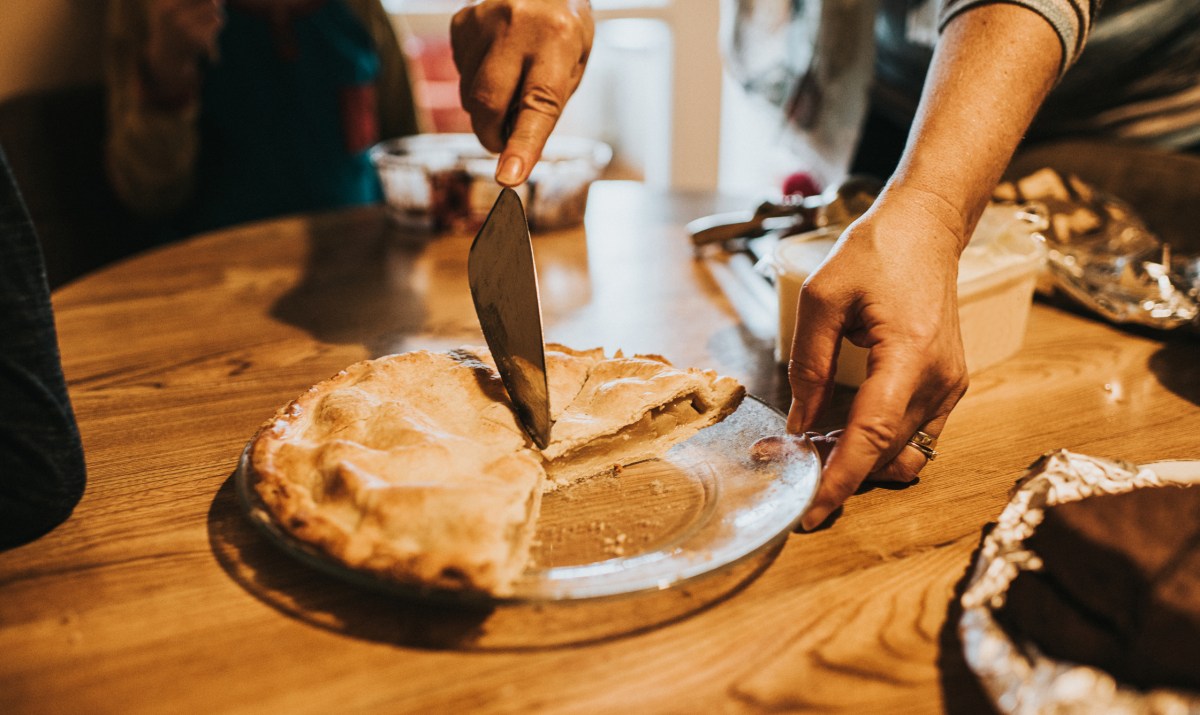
<point>413,466</point>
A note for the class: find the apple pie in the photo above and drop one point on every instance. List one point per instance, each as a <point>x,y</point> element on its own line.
<point>413,467</point>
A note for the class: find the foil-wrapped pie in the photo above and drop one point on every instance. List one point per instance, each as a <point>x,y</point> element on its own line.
<point>1086,594</point>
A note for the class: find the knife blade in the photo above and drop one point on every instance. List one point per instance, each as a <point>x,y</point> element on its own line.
<point>504,287</point>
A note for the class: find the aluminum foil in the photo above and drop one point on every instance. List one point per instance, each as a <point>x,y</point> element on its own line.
<point>1020,679</point>
<point>1101,255</point>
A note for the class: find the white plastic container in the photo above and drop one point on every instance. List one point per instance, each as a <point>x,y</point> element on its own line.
<point>996,277</point>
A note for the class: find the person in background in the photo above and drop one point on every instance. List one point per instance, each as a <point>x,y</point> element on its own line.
<point>1137,82</point>
<point>225,111</point>
<point>42,472</point>
<point>890,284</point>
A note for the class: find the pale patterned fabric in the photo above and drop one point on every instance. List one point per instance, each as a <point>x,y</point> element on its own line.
<point>1130,69</point>
<point>1138,79</point>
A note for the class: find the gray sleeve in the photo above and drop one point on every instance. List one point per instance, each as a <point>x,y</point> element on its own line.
<point>1071,19</point>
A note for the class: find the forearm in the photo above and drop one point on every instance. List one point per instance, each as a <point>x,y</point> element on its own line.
<point>992,68</point>
<point>1071,20</point>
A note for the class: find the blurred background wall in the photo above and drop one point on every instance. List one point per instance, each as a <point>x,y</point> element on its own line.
<point>652,90</point>
<point>655,90</point>
<point>52,129</point>
<point>49,44</point>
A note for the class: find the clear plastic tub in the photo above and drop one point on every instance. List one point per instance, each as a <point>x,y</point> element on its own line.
<point>996,277</point>
<point>440,182</point>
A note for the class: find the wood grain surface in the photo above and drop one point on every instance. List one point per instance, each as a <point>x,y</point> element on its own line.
<point>159,596</point>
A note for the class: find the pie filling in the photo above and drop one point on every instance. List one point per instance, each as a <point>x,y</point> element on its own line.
<point>632,442</point>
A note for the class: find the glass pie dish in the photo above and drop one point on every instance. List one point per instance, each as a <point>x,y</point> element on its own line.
<point>708,505</point>
<point>446,182</point>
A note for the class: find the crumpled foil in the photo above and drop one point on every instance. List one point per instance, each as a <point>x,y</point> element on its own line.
<point>1020,679</point>
<point>1102,256</point>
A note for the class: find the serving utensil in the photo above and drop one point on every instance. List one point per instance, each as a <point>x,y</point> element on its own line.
<point>840,204</point>
<point>503,280</point>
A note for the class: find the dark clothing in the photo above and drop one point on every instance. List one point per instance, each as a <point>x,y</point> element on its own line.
<point>282,121</point>
<point>286,118</point>
<point>42,471</point>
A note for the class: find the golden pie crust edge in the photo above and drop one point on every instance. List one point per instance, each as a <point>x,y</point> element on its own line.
<point>491,564</point>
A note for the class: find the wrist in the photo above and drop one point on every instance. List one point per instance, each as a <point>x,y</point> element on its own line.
<point>947,211</point>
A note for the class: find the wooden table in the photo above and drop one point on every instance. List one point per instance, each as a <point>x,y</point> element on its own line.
<point>158,595</point>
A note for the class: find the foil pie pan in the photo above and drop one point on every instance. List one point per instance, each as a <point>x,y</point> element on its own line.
<point>1019,678</point>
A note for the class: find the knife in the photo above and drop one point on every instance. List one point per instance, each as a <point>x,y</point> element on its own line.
<point>504,287</point>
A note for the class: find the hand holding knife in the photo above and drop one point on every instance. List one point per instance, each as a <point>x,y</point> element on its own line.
<point>519,62</point>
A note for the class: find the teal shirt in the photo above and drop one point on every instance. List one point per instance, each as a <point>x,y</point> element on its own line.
<point>288,112</point>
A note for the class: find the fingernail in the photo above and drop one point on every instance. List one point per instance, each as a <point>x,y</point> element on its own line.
<point>813,518</point>
<point>509,173</point>
<point>795,418</point>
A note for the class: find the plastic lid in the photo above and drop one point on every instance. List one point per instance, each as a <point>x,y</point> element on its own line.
<point>1003,243</point>
<point>800,255</point>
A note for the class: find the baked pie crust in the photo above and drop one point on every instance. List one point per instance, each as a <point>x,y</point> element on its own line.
<point>413,466</point>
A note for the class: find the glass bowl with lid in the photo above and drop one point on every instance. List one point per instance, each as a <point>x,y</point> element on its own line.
<point>446,182</point>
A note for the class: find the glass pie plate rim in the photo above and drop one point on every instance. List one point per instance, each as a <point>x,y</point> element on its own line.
<point>763,499</point>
